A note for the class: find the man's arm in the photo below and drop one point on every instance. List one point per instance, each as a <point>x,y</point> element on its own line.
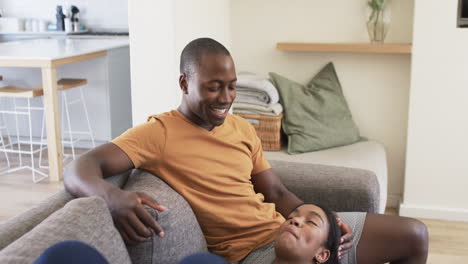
<point>270,185</point>
<point>85,177</point>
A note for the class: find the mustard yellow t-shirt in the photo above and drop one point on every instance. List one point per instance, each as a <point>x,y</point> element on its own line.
<point>212,171</point>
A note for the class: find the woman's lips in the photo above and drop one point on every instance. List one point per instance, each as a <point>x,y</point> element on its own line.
<point>289,230</point>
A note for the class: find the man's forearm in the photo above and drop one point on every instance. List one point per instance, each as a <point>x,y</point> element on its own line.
<point>84,178</point>
<point>270,185</point>
<point>285,202</point>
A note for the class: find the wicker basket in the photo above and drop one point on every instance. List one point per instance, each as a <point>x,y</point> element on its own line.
<point>268,130</point>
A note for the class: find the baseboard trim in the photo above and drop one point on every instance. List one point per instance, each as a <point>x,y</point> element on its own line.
<point>433,212</point>
<point>393,201</point>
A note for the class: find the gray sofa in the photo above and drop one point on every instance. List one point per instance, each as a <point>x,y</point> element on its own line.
<point>61,217</point>
<point>367,155</point>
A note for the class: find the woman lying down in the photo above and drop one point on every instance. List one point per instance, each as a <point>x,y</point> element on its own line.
<point>309,235</point>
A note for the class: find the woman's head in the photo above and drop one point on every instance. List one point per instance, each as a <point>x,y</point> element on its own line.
<point>310,234</point>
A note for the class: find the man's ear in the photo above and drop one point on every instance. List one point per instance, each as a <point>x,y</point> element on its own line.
<point>323,255</point>
<point>183,83</point>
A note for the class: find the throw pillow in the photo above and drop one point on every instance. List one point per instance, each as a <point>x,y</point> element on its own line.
<point>316,114</point>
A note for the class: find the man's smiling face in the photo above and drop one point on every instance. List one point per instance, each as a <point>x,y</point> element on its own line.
<point>210,90</point>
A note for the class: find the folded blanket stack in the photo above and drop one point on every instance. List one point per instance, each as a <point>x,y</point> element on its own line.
<point>256,95</point>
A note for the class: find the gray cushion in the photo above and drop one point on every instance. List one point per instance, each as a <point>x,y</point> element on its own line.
<point>338,188</point>
<point>77,220</point>
<point>367,155</point>
<point>183,235</point>
<point>316,115</point>
<point>19,225</point>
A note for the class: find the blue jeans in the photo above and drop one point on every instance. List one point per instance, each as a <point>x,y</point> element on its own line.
<point>76,252</point>
<point>71,252</point>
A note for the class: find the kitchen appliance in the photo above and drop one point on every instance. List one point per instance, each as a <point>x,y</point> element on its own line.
<point>462,13</point>
<point>74,18</point>
<point>60,18</point>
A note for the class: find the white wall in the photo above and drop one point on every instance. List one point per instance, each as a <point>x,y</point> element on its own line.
<point>152,52</point>
<point>100,14</point>
<point>437,158</point>
<point>202,18</point>
<point>376,86</point>
<point>158,32</point>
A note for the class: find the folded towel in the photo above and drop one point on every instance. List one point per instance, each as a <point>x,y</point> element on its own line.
<point>257,87</point>
<point>243,97</point>
<point>257,113</point>
<point>255,109</point>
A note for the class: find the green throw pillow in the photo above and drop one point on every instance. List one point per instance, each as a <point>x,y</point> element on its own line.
<point>316,115</point>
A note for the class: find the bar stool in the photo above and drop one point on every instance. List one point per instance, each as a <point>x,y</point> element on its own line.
<point>18,93</point>
<point>2,142</point>
<point>64,85</point>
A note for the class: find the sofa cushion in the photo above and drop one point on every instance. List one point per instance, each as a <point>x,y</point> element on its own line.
<point>367,155</point>
<point>77,220</point>
<point>316,115</point>
<point>182,233</point>
<point>19,225</point>
<point>338,188</point>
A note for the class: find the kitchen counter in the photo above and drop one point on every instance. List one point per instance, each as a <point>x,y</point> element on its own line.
<point>104,62</point>
<point>54,49</point>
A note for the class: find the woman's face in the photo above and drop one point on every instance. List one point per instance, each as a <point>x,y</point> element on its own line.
<point>303,235</point>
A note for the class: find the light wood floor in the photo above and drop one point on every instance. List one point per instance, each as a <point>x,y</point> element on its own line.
<point>448,240</point>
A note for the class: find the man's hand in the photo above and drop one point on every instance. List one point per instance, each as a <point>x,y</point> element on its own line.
<point>131,219</point>
<point>346,241</point>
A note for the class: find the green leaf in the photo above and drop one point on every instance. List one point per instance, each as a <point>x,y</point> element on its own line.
<point>376,5</point>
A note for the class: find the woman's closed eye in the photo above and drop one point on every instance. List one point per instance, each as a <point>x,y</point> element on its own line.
<point>311,222</point>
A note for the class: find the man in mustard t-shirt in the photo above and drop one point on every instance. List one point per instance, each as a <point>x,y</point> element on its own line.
<point>215,161</point>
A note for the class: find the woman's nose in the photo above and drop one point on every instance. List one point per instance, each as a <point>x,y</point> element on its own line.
<point>297,221</point>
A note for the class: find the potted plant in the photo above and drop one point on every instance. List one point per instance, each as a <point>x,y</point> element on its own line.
<point>379,20</point>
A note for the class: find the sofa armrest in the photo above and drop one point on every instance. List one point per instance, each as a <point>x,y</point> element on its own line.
<point>19,225</point>
<point>182,233</point>
<point>84,219</point>
<point>338,188</point>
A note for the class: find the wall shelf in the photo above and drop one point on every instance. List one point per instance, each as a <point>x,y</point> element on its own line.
<point>388,48</point>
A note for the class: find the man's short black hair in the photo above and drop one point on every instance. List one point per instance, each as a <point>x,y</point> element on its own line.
<point>192,53</point>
